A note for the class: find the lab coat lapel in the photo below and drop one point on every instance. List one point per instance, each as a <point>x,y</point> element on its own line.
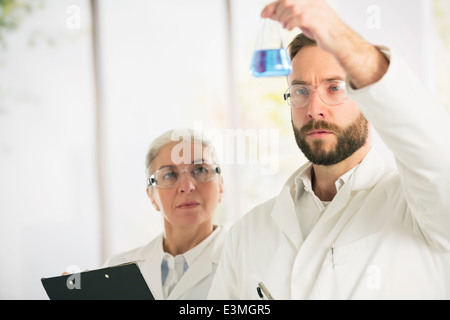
<point>371,170</point>
<point>339,202</point>
<point>284,213</point>
<point>332,225</point>
<point>366,175</point>
<point>200,269</point>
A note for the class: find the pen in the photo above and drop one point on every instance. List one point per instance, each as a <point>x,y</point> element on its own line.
<point>263,290</point>
<point>332,253</point>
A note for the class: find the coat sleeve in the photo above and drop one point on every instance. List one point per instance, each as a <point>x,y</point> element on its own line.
<point>416,128</point>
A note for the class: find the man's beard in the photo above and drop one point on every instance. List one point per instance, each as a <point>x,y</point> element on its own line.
<point>349,140</point>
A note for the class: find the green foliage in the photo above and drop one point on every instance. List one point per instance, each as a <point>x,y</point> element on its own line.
<point>12,13</point>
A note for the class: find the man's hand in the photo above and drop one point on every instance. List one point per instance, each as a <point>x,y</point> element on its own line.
<point>363,63</point>
<point>316,19</point>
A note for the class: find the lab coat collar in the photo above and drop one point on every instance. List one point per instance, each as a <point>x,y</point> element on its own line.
<point>200,269</point>
<point>283,211</point>
<point>372,163</point>
<point>371,169</point>
<point>192,254</point>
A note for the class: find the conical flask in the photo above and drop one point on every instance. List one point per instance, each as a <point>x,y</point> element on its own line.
<point>270,58</point>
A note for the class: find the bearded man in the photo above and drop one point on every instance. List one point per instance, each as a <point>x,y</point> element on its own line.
<point>346,225</point>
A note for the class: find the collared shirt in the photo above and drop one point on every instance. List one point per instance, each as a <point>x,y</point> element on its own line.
<point>308,207</point>
<point>173,268</point>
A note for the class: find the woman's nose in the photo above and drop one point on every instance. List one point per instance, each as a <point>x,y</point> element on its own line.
<point>186,183</point>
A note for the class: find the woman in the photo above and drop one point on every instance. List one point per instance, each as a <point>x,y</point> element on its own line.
<point>185,185</point>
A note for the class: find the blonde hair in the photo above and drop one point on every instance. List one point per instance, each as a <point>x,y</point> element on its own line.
<point>171,136</point>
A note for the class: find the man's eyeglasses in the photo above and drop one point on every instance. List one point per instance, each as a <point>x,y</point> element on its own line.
<point>168,176</point>
<point>331,93</point>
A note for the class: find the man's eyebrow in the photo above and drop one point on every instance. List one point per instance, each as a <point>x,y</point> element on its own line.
<point>328,79</point>
<point>295,82</point>
<point>335,78</point>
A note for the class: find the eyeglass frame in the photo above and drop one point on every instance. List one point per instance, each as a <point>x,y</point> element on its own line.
<point>287,93</point>
<point>151,181</point>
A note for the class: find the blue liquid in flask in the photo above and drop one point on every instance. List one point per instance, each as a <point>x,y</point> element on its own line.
<point>271,63</point>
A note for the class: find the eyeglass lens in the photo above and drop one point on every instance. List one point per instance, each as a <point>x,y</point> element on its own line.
<point>331,93</point>
<point>168,176</point>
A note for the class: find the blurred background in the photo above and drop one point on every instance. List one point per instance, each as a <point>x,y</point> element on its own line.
<point>85,86</point>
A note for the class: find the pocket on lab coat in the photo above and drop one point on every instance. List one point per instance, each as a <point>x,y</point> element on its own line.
<point>361,249</point>
<point>353,269</point>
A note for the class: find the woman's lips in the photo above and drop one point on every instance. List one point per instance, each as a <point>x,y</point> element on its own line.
<point>188,205</point>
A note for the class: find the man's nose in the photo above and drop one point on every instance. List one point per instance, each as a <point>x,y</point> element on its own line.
<point>317,109</point>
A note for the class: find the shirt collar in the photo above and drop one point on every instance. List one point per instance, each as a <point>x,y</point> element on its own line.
<point>194,252</point>
<point>303,180</point>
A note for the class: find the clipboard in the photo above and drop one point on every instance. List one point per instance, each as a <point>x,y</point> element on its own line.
<point>121,282</point>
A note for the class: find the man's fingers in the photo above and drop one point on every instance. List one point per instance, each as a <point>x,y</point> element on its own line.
<point>287,19</point>
<point>269,10</point>
<point>285,13</point>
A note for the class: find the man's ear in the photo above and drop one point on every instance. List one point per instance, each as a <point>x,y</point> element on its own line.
<point>152,198</point>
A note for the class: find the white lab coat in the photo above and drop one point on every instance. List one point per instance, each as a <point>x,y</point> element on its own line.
<point>385,235</point>
<point>195,282</point>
